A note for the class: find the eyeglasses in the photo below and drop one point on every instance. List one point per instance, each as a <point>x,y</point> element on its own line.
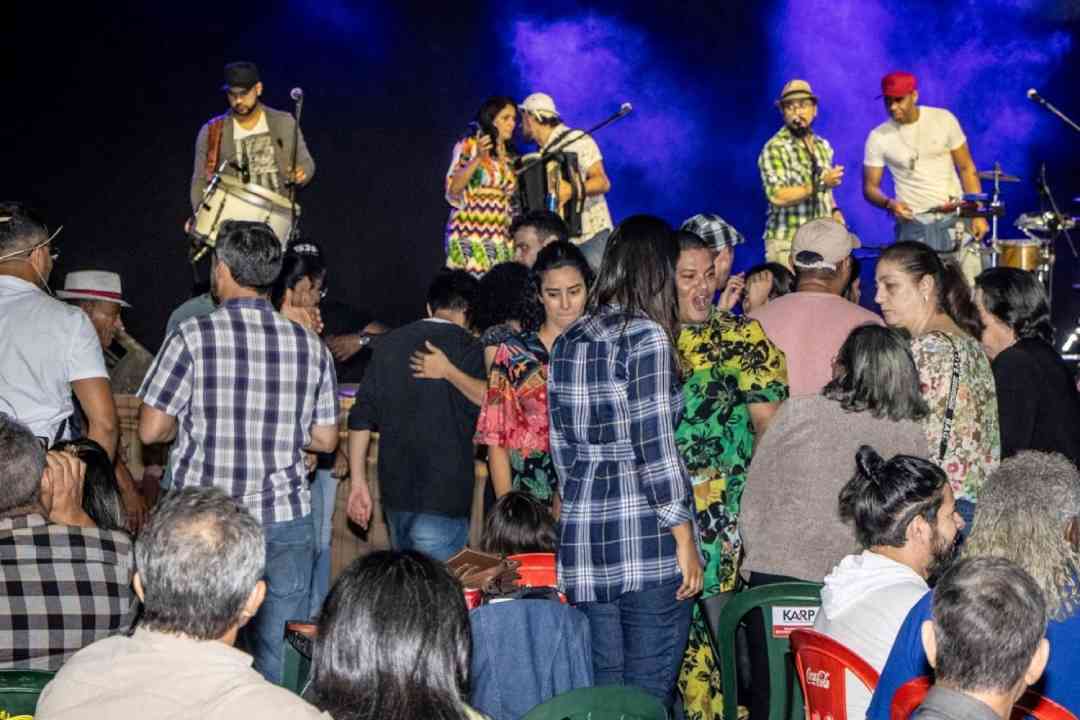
<point>54,253</point>
<point>798,104</point>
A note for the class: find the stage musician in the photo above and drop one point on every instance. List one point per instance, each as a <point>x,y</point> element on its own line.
<point>255,141</point>
<point>542,124</point>
<point>797,172</point>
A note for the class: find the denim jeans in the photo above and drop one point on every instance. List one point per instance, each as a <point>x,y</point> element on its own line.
<point>930,229</point>
<point>439,536</point>
<point>639,639</point>
<point>290,555</point>
<point>323,498</point>
<point>593,249</point>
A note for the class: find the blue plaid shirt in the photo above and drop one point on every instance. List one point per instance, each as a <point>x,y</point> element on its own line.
<point>614,400</point>
<point>245,385</point>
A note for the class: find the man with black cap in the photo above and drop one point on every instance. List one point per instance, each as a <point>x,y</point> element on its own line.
<point>255,141</point>
<point>797,172</point>
<point>927,154</point>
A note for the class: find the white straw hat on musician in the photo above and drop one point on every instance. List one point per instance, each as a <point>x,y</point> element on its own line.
<point>93,285</point>
<point>540,104</point>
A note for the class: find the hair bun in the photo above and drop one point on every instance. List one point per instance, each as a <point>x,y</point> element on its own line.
<point>869,463</point>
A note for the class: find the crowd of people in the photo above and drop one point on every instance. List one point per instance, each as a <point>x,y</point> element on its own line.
<point>669,433</point>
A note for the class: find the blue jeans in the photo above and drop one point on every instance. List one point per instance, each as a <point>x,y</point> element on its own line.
<point>593,249</point>
<point>439,536</point>
<point>931,229</point>
<point>290,555</point>
<point>323,497</point>
<point>639,639</point>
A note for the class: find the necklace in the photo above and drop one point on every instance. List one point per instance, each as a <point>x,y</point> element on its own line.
<point>914,158</point>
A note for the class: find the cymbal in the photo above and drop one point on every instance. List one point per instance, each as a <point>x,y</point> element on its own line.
<point>1001,177</point>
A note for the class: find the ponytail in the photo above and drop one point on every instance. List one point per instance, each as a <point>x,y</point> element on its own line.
<point>953,294</point>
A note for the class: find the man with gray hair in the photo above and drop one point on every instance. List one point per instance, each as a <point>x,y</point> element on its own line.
<point>66,582</point>
<point>1028,513</point>
<point>201,560</point>
<point>245,392</point>
<point>986,640</point>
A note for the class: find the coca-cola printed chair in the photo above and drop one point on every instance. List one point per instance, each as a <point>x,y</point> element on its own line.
<point>821,663</point>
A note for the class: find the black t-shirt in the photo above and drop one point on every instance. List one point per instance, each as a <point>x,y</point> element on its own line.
<point>426,427</point>
<point>1038,404</point>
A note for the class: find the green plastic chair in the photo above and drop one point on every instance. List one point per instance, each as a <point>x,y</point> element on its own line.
<point>296,656</point>
<point>785,695</point>
<point>19,690</point>
<point>609,702</point>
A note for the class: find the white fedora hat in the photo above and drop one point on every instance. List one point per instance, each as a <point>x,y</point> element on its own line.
<point>93,285</point>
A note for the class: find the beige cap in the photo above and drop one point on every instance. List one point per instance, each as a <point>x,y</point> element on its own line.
<point>796,90</point>
<point>540,105</point>
<point>822,244</point>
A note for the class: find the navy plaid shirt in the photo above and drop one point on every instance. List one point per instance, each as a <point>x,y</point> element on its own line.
<point>246,385</point>
<point>614,400</point>
<point>64,588</point>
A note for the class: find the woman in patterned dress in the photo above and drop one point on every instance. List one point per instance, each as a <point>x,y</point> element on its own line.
<point>514,416</point>
<point>480,185</point>
<point>735,378</point>
<point>932,301</point>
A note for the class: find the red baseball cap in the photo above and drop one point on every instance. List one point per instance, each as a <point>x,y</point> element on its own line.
<point>897,84</point>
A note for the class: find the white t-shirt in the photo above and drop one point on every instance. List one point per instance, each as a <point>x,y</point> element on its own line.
<point>595,216</point>
<point>919,157</point>
<point>863,604</point>
<point>255,148</point>
<point>45,345</point>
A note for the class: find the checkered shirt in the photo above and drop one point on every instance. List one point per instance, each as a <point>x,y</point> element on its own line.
<point>785,162</point>
<point>614,401</point>
<point>64,588</point>
<point>245,385</point>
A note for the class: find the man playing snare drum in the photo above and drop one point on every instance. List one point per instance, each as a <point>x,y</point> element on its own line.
<point>254,141</point>
<point>928,156</point>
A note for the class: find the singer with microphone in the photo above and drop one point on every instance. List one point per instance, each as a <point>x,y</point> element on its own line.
<point>797,173</point>
<point>251,141</point>
<point>541,123</point>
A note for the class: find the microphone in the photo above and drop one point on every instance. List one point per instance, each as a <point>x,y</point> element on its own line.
<point>1034,96</point>
<point>297,94</point>
<point>625,109</point>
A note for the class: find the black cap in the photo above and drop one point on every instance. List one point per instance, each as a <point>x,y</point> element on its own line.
<point>240,75</point>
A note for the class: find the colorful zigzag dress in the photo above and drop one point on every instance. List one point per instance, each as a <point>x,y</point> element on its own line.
<point>478,231</point>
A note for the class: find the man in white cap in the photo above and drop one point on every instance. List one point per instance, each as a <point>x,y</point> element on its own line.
<point>797,172</point>
<point>48,350</point>
<point>811,324</point>
<point>99,294</point>
<point>541,122</point>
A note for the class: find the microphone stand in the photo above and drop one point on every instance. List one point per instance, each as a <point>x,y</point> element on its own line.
<point>294,231</point>
<point>1053,110</point>
<point>572,137</point>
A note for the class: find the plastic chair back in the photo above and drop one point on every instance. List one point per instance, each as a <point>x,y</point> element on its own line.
<point>911,694</point>
<point>19,690</point>
<point>296,655</point>
<point>794,604</point>
<point>821,663</point>
<point>536,569</point>
<point>609,702</point>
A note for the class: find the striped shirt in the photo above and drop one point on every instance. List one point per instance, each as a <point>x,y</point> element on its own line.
<point>614,403</point>
<point>785,161</point>
<point>246,385</point>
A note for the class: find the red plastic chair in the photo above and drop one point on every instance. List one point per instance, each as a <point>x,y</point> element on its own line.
<point>910,695</point>
<point>536,569</point>
<point>820,662</point>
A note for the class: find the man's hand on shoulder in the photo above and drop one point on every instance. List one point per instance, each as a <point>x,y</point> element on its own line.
<point>62,490</point>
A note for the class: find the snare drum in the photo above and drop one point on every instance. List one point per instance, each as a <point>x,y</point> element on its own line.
<point>230,199</point>
<point>1030,255</point>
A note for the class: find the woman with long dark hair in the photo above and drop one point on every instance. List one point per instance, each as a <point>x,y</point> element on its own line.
<point>393,642</point>
<point>479,187</point>
<point>1038,406</point>
<point>514,416</point>
<point>930,298</point>
<point>628,554</point>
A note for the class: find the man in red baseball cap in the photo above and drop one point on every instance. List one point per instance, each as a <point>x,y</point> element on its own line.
<point>927,154</point>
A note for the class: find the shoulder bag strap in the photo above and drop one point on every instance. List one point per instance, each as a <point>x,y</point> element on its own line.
<point>950,409</point>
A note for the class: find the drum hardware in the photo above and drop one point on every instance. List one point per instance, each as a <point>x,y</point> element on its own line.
<point>997,175</point>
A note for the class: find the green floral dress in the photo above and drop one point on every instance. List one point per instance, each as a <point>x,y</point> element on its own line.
<point>728,364</point>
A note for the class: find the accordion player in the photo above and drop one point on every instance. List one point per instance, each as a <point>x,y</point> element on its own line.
<point>541,184</point>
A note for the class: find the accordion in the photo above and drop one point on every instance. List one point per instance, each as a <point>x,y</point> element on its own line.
<point>539,185</point>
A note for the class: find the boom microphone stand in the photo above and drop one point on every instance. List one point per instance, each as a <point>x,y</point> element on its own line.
<point>298,97</point>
